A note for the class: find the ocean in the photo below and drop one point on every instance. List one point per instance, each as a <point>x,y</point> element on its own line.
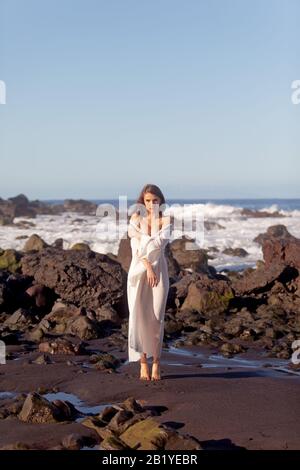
<point>229,227</point>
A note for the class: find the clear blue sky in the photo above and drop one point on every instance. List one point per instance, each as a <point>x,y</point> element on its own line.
<point>106,95</point>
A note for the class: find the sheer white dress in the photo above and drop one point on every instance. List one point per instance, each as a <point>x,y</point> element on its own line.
<point>147,304</point>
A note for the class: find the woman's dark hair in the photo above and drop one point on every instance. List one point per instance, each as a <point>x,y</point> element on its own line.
<point>153,189</point>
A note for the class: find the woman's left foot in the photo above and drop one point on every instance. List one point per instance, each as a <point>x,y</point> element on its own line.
<point>155,371</point>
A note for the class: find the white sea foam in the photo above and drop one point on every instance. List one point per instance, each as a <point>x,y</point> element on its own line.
<point>239,231</point>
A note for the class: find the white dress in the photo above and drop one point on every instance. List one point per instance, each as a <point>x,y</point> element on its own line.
<point>147,304</point>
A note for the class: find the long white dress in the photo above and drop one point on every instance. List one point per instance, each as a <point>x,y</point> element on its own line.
<point>147,304</point>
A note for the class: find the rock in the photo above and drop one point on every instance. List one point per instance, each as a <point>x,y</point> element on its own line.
<point>58,243</point>
<point>36,409</point>
<point>124,255</point>
<point>34,243</point>
<point>208,296</point>
<point>10,260</point>
<point>16,446</point>
<point>119,419</point>
<point>42,359</point>
<point>36,334</point>
<point>180,442</point>
<point>228,349</point>
<point>69,319</point>
<point>147,434</point>
<point>210,225</point>
<point>105,361</point>
<point>80,247</point>
<point>80,205</point>
<point>61,346</point>
<point>66,410</point>
<point>12,291</point>
<point>108,313</point>
<point>21,319</point>
<point>41,296</point>
<point>260,214</point>
<point>234,327</point>
<point>236,252</point>
<point>274,231</point>
<point>279,247</point>
<point>195,259</point>
<point>262,279</point>
<point>172,326</point>
<point>82,278</point>
<point>131,426</point>
<point>107,414</point>
<point>20,206</point>
<point>113,442</point>
<point>11,406</point>
<point>94,423</point>
<point>73,441</point>
<point>13,207</point>
<point>84,328</point>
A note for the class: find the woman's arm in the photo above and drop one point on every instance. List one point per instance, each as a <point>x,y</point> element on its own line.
<point>133,227</point>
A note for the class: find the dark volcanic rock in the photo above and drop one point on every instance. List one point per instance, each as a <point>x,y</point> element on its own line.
<point>10,260</point>
<point>274,231</point>
<point>35,243</point>
<point>62,346</point>
<point>20,206</point>
<point>235,252</point>
<point>17,291</point>
<point>279,246</point>
<point>68,319</point>
<point>261,279</point>
<point>83,278</point>
<point>194,259</point>
<point>260,214</point>
<point>281,253</point>
<point>37,409</point>
<point>80,205</point>
<point>208,296</point>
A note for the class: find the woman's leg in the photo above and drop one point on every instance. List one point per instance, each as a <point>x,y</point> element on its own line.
<point>155,368</point>
<point>144,373</point>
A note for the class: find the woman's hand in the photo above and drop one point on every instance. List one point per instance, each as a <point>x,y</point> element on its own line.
<point>151,277</point>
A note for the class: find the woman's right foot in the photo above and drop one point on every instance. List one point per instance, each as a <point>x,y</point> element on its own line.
<point>144,374</point>
<point>155,371</point>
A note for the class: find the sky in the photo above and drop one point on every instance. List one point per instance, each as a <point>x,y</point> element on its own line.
<point>104,96</point>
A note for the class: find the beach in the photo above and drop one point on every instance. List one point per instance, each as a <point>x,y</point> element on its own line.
<point>227,376</point>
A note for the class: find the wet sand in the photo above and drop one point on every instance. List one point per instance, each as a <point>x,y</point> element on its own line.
<point>247,401</point>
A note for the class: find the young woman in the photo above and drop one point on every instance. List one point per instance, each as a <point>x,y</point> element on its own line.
<point>148,280</point>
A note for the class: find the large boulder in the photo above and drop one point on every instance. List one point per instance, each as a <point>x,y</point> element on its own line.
<point>37,409</point>
<point>281,252</point>
<point>10,260</point>
<point>279,246</point>
<point>83,278</point>
<point>34,242</point>
<point>194,259</point>
<point>80,205</point>
<point>208,296</point>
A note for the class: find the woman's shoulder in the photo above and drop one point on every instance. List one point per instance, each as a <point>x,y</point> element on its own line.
<point>135,217</point>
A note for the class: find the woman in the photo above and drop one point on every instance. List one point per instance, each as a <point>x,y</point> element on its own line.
<point>148,280</point>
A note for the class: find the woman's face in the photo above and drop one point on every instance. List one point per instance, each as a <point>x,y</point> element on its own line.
<point>152,203</point>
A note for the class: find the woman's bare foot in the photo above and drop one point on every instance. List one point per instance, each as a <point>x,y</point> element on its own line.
<point>144,374</point>
<point>155,371</point>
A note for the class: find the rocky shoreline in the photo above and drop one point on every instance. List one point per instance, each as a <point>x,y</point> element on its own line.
<point>64,319</point>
